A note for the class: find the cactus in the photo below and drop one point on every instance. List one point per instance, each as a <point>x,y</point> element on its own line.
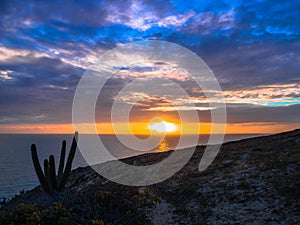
<point>51,182</point>
<point>47,175</point>
<point>61,161</point>
<point>38,169</point>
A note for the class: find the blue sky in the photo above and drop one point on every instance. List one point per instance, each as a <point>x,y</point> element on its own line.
<point>253,48</point>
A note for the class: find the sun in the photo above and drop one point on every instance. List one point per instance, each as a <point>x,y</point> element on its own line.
<point>162,127</point>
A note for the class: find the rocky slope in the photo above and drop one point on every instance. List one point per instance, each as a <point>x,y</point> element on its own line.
<point>252,181</point>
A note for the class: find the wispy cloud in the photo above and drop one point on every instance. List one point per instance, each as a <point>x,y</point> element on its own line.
<point>5,75</point>
<point>131,16</point>
<point>266,95</point>
<point>180,108</point>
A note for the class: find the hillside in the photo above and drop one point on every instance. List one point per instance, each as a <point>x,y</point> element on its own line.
<point>252,181</point>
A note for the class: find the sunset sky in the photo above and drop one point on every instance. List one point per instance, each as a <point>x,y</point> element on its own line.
<point>253,48</point>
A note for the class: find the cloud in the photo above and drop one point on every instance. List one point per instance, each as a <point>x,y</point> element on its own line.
<point>5,75</point>
<point>180,108</point>
<point>40,70</point>
<point>36,86</point>
<point>41,12</point>
<point>267,95</point>
<point>206,23</point>
<point>252,47</point>
<point>281,114</point>
<point>154,15</point>
<point>152,72</point>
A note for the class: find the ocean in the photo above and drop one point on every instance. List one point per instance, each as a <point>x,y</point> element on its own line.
<point>16,168</point>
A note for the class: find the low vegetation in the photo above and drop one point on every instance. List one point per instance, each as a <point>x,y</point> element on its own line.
<point>120,205</point>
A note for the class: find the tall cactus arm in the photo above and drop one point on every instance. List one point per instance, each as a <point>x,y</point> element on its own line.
<point>61,161</point>
<point>69,163</point>
<point>38,169</point>
<point>47,175</point>
<point>52,171</point>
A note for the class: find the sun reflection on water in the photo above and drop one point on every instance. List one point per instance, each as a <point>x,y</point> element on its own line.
<point>163,146</point>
